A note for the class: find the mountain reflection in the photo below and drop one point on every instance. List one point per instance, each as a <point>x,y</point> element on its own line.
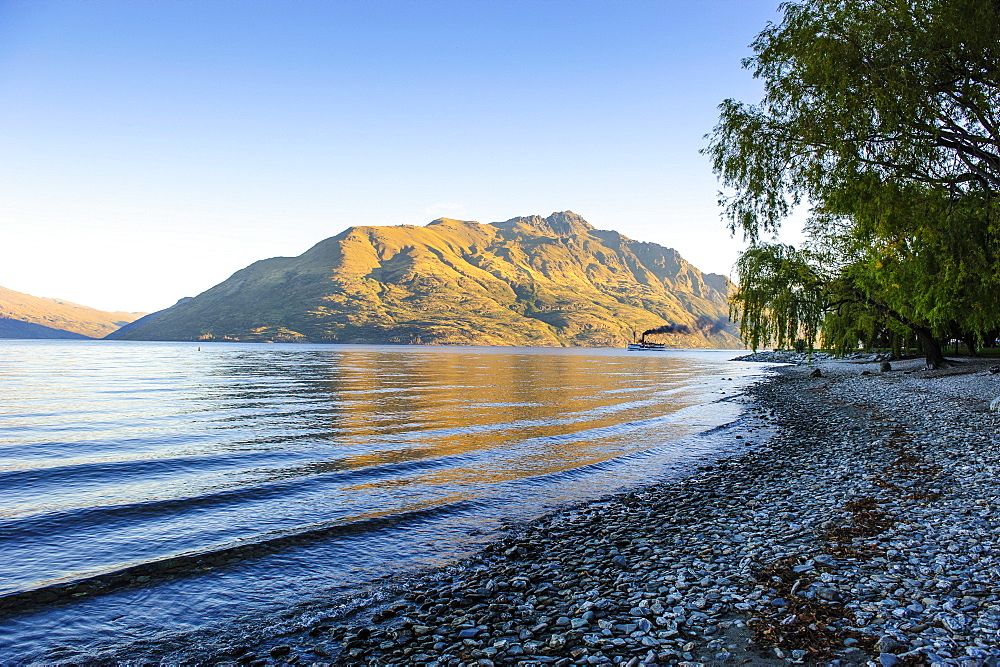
<point>473,418</point>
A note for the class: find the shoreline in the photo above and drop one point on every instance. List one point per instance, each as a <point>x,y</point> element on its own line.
<point>863,530</point>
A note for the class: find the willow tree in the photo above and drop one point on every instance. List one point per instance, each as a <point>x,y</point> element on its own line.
<point>781,295</point>
<point>882,116</point>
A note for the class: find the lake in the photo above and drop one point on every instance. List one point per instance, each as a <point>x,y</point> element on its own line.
<point>164,496</point>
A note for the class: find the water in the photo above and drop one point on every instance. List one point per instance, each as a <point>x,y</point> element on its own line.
<point>283,478</point>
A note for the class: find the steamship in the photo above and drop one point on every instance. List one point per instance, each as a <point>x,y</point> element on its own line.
<point>639,340</point>
<point>648,347</point>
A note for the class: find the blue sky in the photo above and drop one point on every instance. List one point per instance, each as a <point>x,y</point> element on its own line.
<point>152,148</point>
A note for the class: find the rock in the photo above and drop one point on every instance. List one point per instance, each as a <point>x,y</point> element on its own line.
<point>855,654</point>
<point>887,659</point>
<point>995,405</point>
<point>885,367</point>
<point>280,651</point>
<point>816,373</point>
<point>889,644</point>
<point>957,623</point>
<point>829,594</point>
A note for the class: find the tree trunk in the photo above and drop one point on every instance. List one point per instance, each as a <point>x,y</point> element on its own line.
<point>933,354</point>
<point>897,346</point>
<point>970,342</point>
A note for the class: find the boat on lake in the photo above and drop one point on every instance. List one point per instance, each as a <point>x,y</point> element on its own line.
<point>648,347</point>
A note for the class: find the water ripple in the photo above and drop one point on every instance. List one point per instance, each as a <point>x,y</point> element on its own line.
<point>239,480</point>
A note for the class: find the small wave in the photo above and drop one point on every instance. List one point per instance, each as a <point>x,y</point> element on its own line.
<point>106,580</point>
<point>111,516</point>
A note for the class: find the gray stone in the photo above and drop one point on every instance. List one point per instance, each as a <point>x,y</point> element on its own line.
<point>957,623</point>
<point>889,644</point>
<point>829,594</point>
<point>280,651</point>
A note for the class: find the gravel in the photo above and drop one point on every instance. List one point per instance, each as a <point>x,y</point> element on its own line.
<point>865,531</point>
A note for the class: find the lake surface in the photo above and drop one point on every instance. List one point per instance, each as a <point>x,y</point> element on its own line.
<point>284,478</point>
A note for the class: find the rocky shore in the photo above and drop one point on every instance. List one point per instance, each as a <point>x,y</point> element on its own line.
<point>865,531</point>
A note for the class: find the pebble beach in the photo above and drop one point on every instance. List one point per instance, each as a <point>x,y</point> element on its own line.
<point>863,528</point>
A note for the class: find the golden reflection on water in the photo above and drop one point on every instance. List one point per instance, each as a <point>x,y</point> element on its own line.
<point>148,451</point>
<point>495,417</point>
<point>364,418</point>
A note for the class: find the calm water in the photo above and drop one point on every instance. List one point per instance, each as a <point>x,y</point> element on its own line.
<point>300,473</point>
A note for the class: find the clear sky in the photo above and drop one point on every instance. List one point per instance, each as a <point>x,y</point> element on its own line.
<point>150,148</point>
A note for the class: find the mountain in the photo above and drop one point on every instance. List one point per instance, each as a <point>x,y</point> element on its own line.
<point>19,329</point>
<point>145,319</point>
<point>55,318</point>
<point>554,281</point>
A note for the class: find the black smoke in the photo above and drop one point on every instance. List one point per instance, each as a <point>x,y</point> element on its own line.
<point>705,325</point>
<point>708,326</point>
<point>668,329</point>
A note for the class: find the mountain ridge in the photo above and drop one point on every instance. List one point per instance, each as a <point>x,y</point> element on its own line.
<point>530,280</point>
<point>54,316</point>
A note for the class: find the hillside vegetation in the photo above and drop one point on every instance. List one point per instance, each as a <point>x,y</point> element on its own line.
<point>552,281</point>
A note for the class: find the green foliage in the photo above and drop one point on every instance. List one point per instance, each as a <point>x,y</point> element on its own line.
<point>884,117</point>
<point>932,258</point>
<point>867,91</point>
<point>781,296</point>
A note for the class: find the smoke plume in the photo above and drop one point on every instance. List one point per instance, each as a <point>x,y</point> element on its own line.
<point>668,329</point>
<point>706,325</point>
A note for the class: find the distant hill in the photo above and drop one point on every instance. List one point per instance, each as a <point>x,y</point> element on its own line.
<point>145,319</point>
<point>18,329</point>
<point>554,281</point>
<point>55,318</point>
